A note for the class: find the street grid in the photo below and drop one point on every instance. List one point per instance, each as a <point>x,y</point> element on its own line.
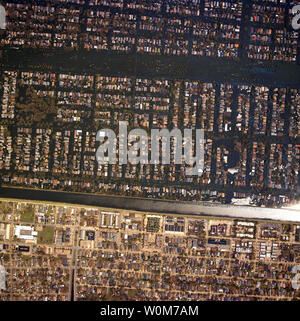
<point>110,254</point>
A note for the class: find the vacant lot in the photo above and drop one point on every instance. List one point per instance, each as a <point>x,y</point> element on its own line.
<point>46,235</point>
<point>28,214</point>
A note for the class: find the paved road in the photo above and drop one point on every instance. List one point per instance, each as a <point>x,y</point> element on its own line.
<point>158,206</point>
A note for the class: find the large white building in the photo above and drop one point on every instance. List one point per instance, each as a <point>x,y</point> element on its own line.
<point>24,232</point>
<point>3,274</point>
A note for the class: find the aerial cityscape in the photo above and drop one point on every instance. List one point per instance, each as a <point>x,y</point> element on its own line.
<point>59,252</point>
<point>75,229</point>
